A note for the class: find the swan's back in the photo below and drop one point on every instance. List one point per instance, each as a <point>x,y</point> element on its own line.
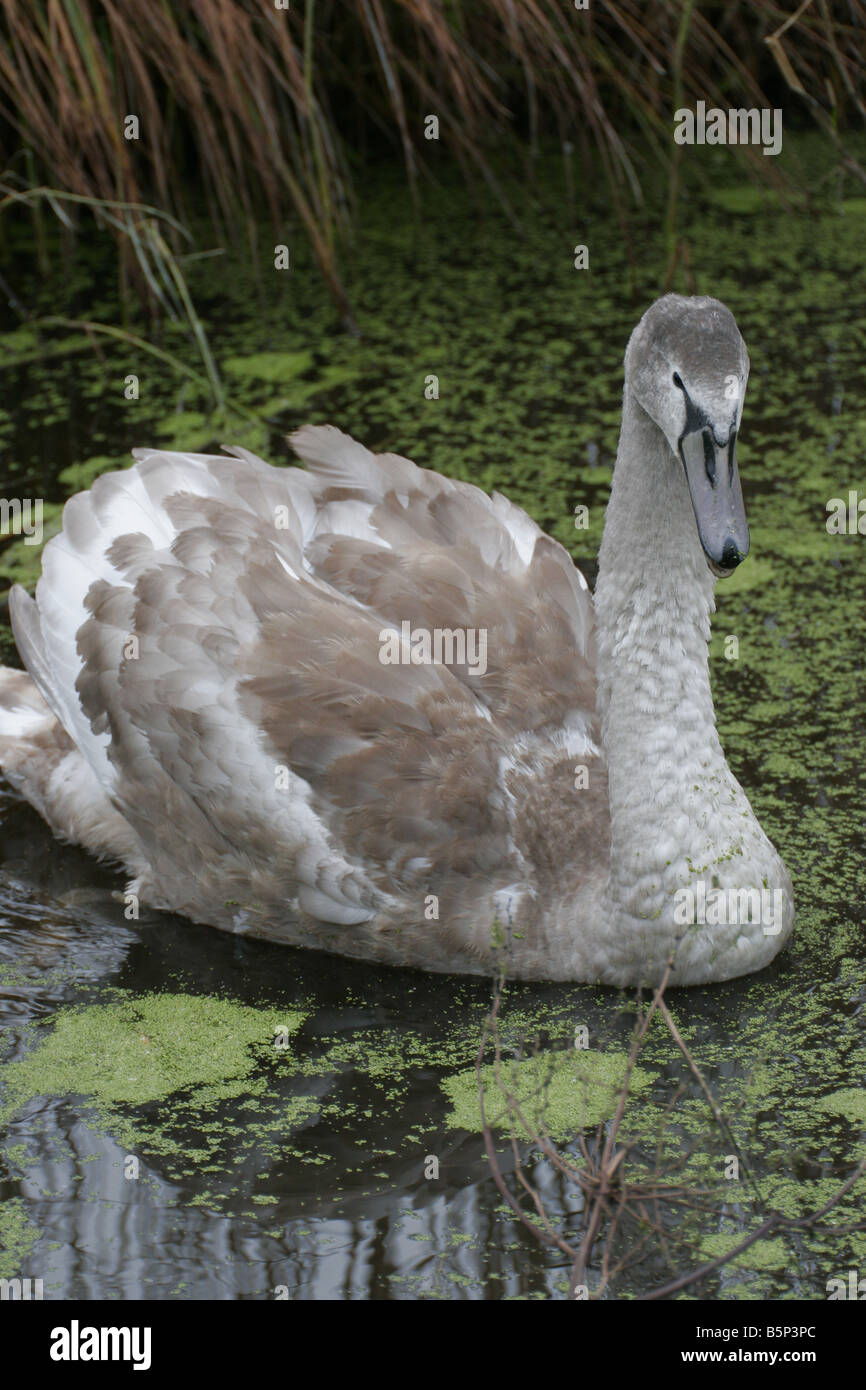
<point>209,632</point>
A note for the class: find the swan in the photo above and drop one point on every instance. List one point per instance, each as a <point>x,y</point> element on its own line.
<point>234,688</point>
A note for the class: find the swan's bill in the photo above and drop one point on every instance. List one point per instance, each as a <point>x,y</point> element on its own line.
<point>717,497</point>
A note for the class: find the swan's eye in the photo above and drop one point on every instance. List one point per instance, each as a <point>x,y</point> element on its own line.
<point>678,381</point>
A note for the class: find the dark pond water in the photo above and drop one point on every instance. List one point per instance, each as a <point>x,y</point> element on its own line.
<point>189,1115</point>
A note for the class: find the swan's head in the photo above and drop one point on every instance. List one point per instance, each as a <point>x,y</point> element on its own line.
<point>687,367</point>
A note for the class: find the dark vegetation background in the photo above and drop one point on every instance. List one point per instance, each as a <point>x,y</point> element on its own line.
<point>253,110</point>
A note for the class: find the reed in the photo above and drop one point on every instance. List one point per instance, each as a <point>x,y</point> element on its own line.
<point>267,110</point>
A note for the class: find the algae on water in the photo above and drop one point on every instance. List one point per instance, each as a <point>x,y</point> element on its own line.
<point>18,1235</point>
<point>194,1055</point>
<point>559,1093</point>
<point>144,1048</point>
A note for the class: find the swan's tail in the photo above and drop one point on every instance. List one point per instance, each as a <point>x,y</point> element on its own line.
<point>39,759</point>
<point>32,741</point>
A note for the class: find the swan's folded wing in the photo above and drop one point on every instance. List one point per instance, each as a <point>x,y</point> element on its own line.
<point>215,629</point>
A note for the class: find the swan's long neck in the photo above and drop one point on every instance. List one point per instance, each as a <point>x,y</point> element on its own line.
<point>677,812</point>
<point>653,602</point>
